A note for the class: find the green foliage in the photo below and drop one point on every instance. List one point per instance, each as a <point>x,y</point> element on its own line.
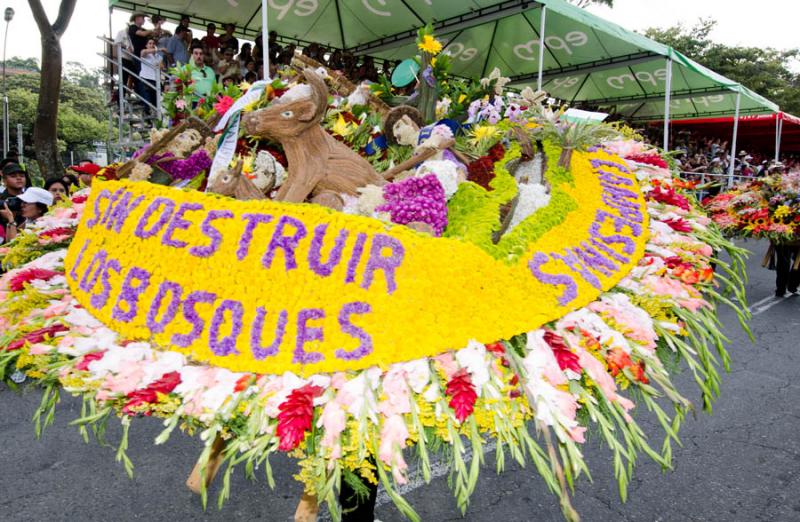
<point>764,70</point>
<point>30,64</point>
<point>82,114</point>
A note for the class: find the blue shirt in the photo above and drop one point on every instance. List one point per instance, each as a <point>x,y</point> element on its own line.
<point>178,49</point>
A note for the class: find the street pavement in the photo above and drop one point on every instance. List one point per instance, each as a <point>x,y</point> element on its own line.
<point>742,463</point>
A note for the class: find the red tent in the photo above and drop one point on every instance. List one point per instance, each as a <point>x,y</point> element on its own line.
<point>756,133</point>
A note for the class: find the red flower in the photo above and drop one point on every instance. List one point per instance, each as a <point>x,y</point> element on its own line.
<point>80,199</point>
<point>496,348</point>
<point>243,382</point>
<point>481,171</point>
<point>149,395</point>
<point>497,152</point>
<point>462,395</point>
<point>296,414</point>
<point>224,103</point>
<point>638,373</point>
<point>567,360</point>
<point>17,282</point>
<point>679,225</point>
<point>669,197</point>
<point>37,336</point>
<point>649,159</point>
<point>83,365</point>
<point>58,231</point>
<point>617,361</point>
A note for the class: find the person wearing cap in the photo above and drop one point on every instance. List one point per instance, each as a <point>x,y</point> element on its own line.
<point>15,180</point>
<point>35,202</point>
<point>86,172</point>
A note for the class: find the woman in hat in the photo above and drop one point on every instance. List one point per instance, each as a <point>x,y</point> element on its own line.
<point>35,202</point>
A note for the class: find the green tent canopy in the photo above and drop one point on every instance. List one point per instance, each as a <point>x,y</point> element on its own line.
<point>586,60</point>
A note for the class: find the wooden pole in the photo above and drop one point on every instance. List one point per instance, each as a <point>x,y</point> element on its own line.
<point>196,477</point>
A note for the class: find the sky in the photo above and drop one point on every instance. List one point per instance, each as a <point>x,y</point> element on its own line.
<point>767,23</point>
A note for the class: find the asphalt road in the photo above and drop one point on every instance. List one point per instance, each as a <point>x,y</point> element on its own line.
<point>740,464</point>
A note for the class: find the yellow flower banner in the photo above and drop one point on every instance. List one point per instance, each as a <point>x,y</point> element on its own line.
<point>269,287</point>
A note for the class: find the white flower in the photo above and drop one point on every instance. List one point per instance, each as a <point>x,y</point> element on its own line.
<point>532,196</point>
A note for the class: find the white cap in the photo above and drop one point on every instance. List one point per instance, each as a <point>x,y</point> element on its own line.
<point>37,195</point>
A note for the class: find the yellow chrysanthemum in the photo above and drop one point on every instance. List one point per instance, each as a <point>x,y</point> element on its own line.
<point>430,45</point>
<point>483,132</point>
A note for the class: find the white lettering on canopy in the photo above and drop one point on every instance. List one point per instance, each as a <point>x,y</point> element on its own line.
<point>375,10</point>
<point>301,7</point>
<point>458,50</point>
<point>529,50</point>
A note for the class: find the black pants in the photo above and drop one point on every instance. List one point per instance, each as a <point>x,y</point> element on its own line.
<point>147,90</point>
<point>352,509</point>
<point>785,277</point>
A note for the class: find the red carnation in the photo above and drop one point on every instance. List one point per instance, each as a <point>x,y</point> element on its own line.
<point>17,283</point>
<point>567,360</point>
<point>37,336</point>
<point>149,395</point>
<point>481,171</point>
<point>679,225</point>
<point>462,395</point>
<point>296,414</point>
<point>83,365</point>
<point>497,152</point>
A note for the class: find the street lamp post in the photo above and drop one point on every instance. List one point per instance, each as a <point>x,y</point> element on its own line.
<point>9,14</point>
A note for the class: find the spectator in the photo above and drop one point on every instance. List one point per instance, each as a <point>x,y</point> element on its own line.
<point>161,35</point>
<point>335,61</point>
<point>35,202</point>
<point>58,188</point>
<point>86,172</point>
<point>228,66</point>
<point>274,47</point>
<point>210,40</point>
<point>251,77</point>
<point>228,40</point>
<point>151,70</point>
<point>250,66</point>
<point>367,71</point>
<point>244,56</point>
<point>286,55</point>
<point>138,35</point>
<point>177,47</point>
<point>15,180</point>
<point>184,22</point>
<point>202,75</point>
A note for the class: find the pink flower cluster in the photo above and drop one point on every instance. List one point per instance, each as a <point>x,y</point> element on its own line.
<point>419,200</point>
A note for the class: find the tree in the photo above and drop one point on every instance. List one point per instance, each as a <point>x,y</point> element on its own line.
<point>29,64</point>
<point>764,70</point>
<point>45,132</point>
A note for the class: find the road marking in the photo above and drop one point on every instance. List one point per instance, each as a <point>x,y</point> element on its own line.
<point>439,469</point>
<point>754,305</point>
<point>767,306</point>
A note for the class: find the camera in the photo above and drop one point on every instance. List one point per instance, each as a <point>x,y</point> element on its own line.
<point>14,204</point>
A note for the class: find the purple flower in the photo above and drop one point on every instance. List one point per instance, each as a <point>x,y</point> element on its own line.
<point>427,75</point>
<point>416,200</point>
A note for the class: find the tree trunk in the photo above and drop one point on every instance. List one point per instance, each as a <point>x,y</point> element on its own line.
<point>45,128</point>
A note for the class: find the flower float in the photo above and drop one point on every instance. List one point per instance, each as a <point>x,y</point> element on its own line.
<point>431,313</point>
<point>767,207</point>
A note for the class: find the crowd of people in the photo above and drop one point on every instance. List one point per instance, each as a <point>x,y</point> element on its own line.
<point>21,203</point>
<point>699,154</point>
<point>218,57</point>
